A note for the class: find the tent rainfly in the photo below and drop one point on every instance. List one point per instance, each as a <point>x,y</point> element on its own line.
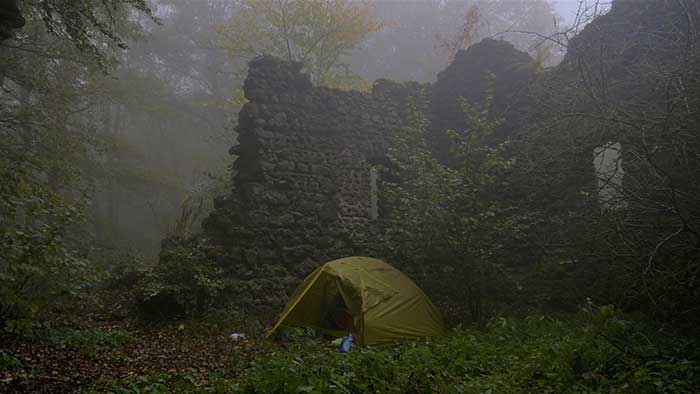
<point>363,296</point>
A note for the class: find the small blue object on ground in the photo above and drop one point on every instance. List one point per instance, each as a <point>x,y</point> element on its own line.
<point>347,344</point>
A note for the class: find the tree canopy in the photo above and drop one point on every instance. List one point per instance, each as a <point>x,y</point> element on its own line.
<point>317,33</point>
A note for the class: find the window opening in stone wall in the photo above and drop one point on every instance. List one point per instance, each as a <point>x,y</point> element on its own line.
<point>607,160</point>
<point>373,194</point>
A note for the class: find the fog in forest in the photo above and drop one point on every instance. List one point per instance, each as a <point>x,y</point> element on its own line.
<point>170,105</point>
<point>474,196</point>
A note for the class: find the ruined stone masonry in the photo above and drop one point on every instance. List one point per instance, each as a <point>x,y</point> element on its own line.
<point>304,185</point>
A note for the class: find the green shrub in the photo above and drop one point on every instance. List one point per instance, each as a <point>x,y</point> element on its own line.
<point>127,273</point>
<point>456,220</point>
<point>184,281</point>
<point>38,265</point>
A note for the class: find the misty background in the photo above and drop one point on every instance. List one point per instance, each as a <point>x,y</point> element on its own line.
<point>171,170</point>
<point>170,109</point>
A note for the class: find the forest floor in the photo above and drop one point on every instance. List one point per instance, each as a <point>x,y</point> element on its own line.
<point>591,351</point>
<point>68,358</point>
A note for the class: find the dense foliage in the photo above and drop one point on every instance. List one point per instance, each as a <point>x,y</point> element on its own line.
<point>596,350</point>
<point>459,216</point>
<point>89,25</point>
<point>50,152</point>
<point>628,226</point>
<point>319,34</point>
<point>183,282</point>
<point>529,215</point>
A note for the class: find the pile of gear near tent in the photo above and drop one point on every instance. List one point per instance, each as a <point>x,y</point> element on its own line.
<point>365,297</point>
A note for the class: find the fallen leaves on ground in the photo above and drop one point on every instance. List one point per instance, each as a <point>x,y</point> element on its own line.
<point>49,368</point>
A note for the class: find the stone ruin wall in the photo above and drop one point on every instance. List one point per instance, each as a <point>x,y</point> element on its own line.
<point>303,186</point>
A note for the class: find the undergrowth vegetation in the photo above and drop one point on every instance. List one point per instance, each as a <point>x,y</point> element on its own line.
<point>596,350</point>
<point>184,282</point>
<point>87,340</point>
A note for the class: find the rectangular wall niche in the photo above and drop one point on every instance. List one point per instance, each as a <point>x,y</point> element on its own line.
<point>373,194</point>
<point>607,160</point>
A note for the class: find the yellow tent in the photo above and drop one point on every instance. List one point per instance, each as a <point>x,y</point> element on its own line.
<point>379,302</point>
